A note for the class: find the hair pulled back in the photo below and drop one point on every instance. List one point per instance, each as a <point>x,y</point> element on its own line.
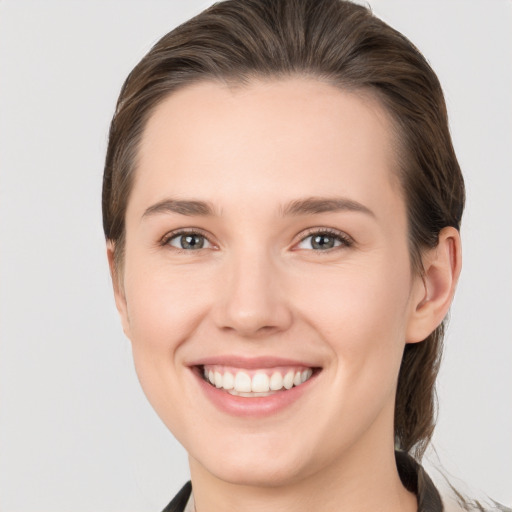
<point>345,45</point>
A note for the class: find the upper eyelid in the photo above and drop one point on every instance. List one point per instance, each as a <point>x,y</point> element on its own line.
<point>184,231</point>
<point>320,230</point>
<point>297,239</point>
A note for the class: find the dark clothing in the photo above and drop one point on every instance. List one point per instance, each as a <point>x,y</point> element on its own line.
<point>179,501</point>
<point>413,476</point>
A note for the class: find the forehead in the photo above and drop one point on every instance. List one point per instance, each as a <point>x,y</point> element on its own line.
<point>284,137</point>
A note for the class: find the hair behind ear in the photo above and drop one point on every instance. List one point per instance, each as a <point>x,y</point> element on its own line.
<point>416,399</point>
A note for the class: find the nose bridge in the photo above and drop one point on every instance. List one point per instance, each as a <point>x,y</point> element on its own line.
<point>251,301</point>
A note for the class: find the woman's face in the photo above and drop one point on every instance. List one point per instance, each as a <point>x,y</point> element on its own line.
<point>266,243</point>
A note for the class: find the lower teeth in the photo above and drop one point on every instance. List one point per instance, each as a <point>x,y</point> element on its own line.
<point>251,394</point>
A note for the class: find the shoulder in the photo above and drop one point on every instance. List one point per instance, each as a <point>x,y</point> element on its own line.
<point>456,501</point>
<point>457,496</point>
<point>440,496</point>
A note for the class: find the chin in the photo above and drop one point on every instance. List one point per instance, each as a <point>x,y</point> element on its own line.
<point>256,462</point>
<point>270,473</point>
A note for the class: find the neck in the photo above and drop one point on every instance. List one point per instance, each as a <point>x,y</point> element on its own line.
<point>360,481</point>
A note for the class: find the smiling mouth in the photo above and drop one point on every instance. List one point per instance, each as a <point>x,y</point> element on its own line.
<point>255,382</point>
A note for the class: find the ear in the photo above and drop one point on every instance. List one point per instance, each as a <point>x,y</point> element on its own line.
<point>433,292</point>
<point>117,284</point>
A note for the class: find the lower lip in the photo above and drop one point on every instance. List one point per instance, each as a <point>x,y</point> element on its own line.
<point>253,406</point>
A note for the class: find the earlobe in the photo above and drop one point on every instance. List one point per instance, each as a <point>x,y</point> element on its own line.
<point>434,290</point>
<point>117,285</point>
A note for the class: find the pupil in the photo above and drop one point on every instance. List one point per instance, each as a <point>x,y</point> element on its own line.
<point>322,242</point>
<point>192,241</point>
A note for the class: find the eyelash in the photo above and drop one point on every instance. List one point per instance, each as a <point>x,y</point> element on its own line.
<point>346,241</point>
<point>183,232</point>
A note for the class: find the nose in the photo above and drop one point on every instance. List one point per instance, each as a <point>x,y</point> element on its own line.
<point>252,301</point>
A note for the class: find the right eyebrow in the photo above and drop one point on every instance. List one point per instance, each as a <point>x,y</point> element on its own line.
<point>183,207</point>
<point>317,205</point>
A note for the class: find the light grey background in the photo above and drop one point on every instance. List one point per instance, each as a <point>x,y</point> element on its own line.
<point>75,430</point>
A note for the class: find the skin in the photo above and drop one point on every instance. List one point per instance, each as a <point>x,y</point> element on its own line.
<point>259,288</point>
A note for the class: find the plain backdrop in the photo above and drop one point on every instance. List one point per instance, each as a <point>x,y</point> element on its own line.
<point>76,432</point>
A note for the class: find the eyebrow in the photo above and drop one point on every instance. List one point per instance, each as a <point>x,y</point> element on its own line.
<point>307,206</point>
<point>189,208</point>
<point>315,205</point>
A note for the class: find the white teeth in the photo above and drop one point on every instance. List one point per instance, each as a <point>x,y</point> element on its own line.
<point>229,381</point>
<point>242,382</point>
<point>306,374</point>
<point>288,380</point>
<point>248,395</point>
<point>261,383</point>
<point>276,381</point>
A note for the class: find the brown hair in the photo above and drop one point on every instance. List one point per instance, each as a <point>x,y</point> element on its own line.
<point>345,45</point>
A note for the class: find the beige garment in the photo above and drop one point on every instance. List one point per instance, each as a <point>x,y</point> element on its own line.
<point>190,507</point>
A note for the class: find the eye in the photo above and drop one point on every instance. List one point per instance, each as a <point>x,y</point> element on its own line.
<point>188,241</point>
<point>324,240</point>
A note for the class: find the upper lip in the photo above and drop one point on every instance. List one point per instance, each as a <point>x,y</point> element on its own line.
<point>250,362</point>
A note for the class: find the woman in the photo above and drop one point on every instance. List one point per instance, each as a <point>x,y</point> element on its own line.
<point>282,206</point>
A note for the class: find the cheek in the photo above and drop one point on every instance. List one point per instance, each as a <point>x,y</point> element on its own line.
<point>164,305</point>
<point>350,302</point>
<point>361,317</point>
<point>361,313</point>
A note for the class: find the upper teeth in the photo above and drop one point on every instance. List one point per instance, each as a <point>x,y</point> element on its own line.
<point>261,381</point>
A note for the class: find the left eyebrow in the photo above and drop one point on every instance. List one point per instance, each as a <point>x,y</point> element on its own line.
<point>189,208</point>
<point>314,205</point>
